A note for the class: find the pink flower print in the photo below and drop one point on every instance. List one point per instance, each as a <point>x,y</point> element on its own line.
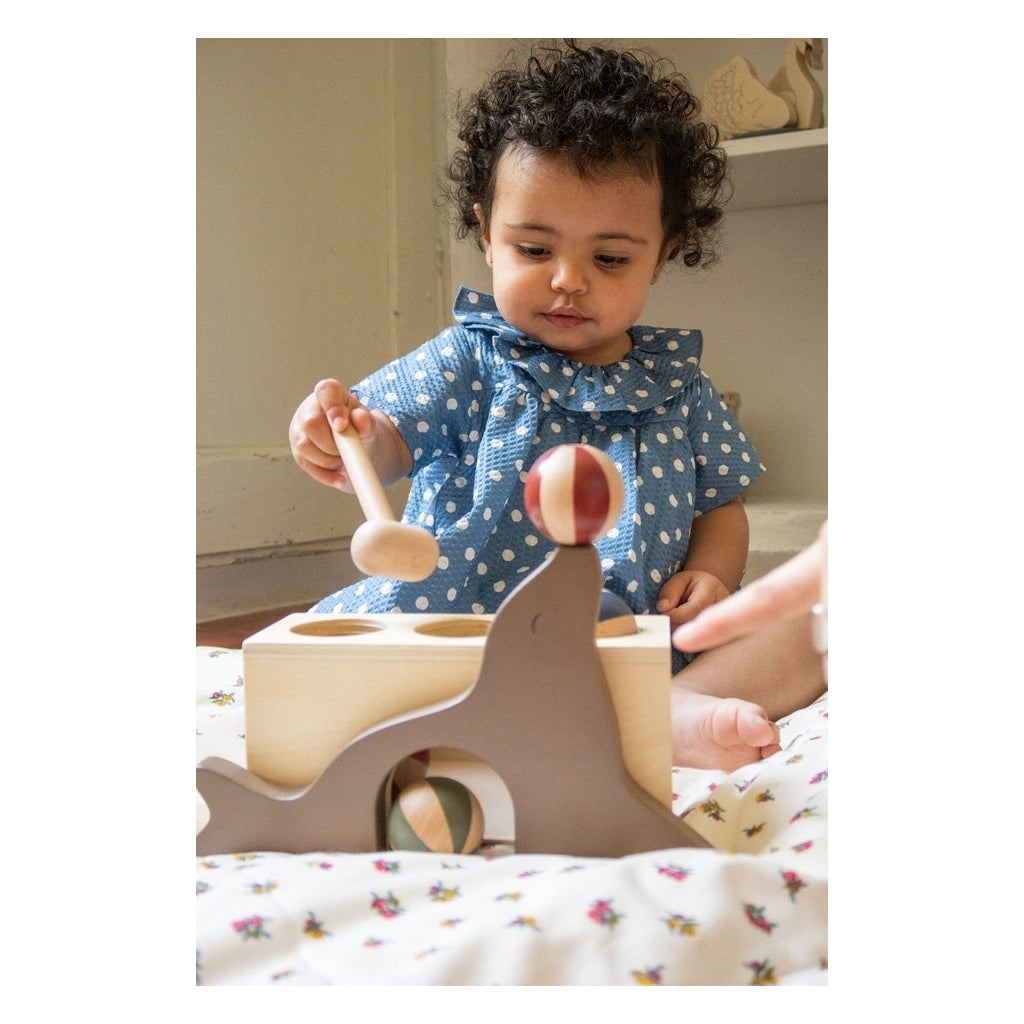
<point>673,871</point>
<point>601,913</point>
<point>386,906</point>
<point>793,883</point>
<point>251,927</point>
<point>755,915</point>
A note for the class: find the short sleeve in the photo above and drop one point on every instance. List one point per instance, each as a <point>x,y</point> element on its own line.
<point>434,395</point>
<point>726,462</point>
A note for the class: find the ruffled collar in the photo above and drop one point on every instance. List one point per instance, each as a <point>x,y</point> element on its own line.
<point>661,364</point>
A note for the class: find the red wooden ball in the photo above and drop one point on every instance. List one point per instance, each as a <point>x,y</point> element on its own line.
<point>574,494</point>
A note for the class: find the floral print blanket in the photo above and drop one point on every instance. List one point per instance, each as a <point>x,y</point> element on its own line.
<point>751,911</point>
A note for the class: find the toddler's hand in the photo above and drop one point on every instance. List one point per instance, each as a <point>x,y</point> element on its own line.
<point>310,435</point>
<point>688,593</point>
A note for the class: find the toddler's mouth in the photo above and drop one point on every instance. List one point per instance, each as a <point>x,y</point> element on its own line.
<point>565,317</point>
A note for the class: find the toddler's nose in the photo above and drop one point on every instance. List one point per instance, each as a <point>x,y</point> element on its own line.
<point>568,277</point>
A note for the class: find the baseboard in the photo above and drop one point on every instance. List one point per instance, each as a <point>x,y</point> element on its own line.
<point>272,579</point>
<point>778,531</point>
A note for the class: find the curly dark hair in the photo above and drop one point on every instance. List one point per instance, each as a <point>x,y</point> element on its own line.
<point>595,108</point>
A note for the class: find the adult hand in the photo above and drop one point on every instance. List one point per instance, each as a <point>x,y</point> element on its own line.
<point>796,587</point>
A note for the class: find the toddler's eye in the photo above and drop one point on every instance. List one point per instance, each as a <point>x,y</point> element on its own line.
<point>532,251</point>
<point>612,261</point>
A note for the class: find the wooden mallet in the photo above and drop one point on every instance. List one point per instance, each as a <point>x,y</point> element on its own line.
<point>382,546</point>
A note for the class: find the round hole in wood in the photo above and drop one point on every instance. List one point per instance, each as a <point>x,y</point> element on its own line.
<point>467,626</point>
<point>336,627</point>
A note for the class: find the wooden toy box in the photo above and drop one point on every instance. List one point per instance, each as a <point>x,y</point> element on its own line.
<point>316,682</point>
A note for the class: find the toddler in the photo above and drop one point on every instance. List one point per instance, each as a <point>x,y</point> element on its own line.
<point>581,175</point>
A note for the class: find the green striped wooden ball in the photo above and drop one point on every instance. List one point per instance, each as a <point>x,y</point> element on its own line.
<point>436,814</point>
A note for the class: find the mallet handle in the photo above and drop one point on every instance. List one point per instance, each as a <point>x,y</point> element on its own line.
<point>362,475</point>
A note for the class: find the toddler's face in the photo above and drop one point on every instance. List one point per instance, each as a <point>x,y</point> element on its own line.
<point>573,259</point>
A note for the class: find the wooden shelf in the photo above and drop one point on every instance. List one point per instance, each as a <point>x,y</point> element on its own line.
<point>783,169</point>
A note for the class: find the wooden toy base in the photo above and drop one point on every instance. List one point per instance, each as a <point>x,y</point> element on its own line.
<point>540,713</point>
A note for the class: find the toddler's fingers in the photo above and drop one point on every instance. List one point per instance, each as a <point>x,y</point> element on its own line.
<point>340,407</point>
<point>334,400</point>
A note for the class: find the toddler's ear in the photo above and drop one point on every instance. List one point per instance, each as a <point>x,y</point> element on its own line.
<point>668,250</point>
<point>485,234</point>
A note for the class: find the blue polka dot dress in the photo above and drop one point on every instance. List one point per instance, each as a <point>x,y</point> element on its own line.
<point>478,404</point>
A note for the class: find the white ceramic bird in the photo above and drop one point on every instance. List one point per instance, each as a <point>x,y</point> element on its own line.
<point>794,81</point>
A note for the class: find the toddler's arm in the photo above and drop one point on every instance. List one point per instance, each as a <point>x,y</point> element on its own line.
<point>715,559</point>
<point>312,441</point>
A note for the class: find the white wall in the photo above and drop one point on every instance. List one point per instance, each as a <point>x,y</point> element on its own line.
<point>320,253</point>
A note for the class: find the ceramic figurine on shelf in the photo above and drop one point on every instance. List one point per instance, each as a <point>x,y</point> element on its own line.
<point>740,104</point>
<point>795,83</point>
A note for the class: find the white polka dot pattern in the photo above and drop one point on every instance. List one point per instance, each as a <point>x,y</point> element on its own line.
<point>481,402</point>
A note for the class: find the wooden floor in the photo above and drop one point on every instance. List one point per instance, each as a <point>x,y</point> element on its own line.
<point>231,632</point>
